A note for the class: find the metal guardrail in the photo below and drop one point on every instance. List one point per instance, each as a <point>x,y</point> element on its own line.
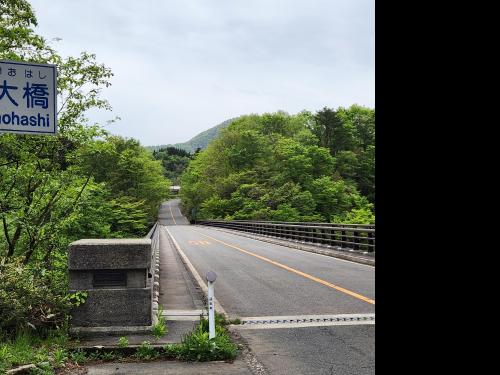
<point>346,236</point>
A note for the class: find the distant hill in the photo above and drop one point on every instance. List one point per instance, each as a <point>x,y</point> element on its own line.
<point>198,141</point>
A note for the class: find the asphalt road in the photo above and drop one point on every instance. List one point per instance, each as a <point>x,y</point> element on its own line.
<point>170,213</point>
<point>257,278</point>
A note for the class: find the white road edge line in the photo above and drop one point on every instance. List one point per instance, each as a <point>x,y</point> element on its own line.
<point>195,273</point>
<point>293,248</point>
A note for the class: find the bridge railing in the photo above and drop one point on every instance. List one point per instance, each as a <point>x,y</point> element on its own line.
<point>155,244</point>
<point>154,271</point>
<point>359,237</point>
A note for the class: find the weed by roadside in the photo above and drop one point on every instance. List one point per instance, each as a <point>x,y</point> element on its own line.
<point>146,352</point>
<point>122,342</point>
<point>28,348</point>
<point>159,329</point>
<point>196,346</point>
<point>53,352</point>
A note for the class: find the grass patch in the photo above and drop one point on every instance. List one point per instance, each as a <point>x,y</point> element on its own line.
<point>196,346</point>
<point>28,348</point>
<point>159,329</point>
<point>123,342</point>
<point>53,352</point>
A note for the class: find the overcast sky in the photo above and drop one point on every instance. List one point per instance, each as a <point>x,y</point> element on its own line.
<point>184,66</point>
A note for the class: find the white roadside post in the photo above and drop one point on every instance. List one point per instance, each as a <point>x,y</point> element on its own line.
<point>211,276</point>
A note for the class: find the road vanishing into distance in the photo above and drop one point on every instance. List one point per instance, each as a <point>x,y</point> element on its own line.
<point>261,280</point>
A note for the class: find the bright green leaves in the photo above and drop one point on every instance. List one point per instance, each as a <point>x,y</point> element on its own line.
<point>270,167</point>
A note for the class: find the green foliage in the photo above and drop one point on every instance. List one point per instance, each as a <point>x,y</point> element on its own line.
<point>146,352</point>
<point>29,298</point>
<point>362,215</point>
<point>174,162</point>
<point>78,356</point>
<point>122,342</point>
<point>219,319</point>
<point>109,356</point>
<point>27,347</point>
<point>78,298</point>
<point>60,356</point>
<point>42,368</point>
<point>134,179</point>
<point>159,329</point>
<point>196,346</point>
<point>284,168</point>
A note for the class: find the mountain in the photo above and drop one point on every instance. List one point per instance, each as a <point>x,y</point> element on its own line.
<point>198,141</point>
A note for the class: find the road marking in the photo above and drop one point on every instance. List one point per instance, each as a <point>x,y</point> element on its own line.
<point>270,322</point>
<point>180,213</point>
<point>189,315</point>
<point>169,206</point>
<point>198,243</point>
<point>293,270</point>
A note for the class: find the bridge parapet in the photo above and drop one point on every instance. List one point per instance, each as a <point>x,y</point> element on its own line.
<point>114,274</point>
<point>357,237</point>
<point>121,279</point>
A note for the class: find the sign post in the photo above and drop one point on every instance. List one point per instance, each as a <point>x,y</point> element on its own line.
<point>28,98</point>
<point>211,276</point>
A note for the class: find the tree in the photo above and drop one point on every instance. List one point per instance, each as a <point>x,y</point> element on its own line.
<point>269,167</point>
<point>332,133</point>
<point>50,185</point>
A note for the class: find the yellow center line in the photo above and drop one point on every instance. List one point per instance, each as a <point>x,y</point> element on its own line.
<point>169,206</point>
<point>293,270</point>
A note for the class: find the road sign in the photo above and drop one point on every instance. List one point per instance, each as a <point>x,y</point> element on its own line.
<point>28,98</point>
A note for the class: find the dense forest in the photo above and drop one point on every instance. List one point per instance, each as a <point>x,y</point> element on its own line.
<point>174,161</point>
<point>281,167</point>
<point>80,183</point>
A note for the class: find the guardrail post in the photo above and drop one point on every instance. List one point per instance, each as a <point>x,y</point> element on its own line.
<point>371,241</point>
<point>356,240</point>
<point>343,239</point>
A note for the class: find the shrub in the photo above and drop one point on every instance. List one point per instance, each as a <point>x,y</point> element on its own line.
<point>28,299</point>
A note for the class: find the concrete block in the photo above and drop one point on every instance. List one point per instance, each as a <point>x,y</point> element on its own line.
<point>108,254</point>
<point>114,307</point>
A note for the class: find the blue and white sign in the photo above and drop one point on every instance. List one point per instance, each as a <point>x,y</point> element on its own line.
<point>28,98</point>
